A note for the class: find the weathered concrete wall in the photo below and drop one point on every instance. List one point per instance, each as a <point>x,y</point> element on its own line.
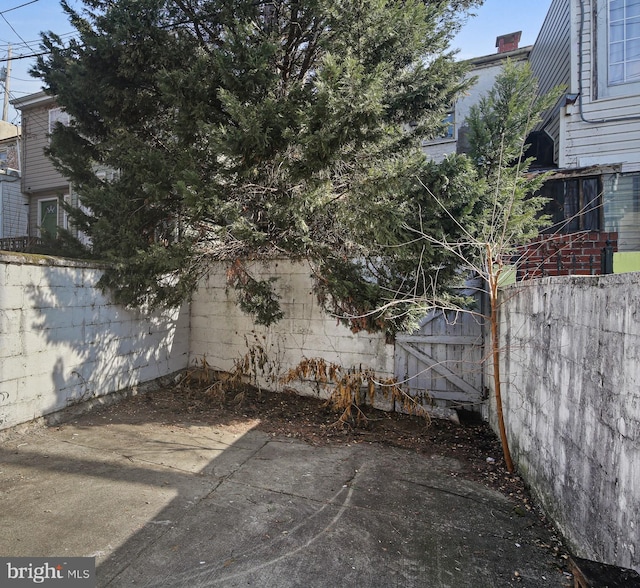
<point>222,333</point>
<point>572,401</point>
<point>62,341</point>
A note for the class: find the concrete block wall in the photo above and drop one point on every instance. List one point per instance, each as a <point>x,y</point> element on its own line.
<point>62,341</point>
<point>571,377</point>
<point>222,333</point>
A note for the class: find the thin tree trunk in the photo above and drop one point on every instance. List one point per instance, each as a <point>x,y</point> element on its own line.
<point>495,353</point>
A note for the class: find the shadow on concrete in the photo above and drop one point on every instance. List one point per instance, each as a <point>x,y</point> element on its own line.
<point>167,504</point>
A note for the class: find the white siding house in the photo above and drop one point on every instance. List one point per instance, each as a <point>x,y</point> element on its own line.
<point>592,47</point>
<point>485,70</point>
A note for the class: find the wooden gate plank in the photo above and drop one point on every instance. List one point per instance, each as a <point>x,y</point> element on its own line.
<point>441,339</point>
<point>443,371</point>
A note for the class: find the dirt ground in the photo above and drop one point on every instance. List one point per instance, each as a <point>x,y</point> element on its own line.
<point>287,414</point>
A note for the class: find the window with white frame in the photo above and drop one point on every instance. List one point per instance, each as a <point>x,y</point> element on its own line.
<point>617,28</point>
<point>57,115</point>
<point>623,41</point>
<point>449,122</point>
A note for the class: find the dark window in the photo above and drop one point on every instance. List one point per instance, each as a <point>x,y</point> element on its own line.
<point>571,218</point>
<point>591,204</point>
<point>575,204</point>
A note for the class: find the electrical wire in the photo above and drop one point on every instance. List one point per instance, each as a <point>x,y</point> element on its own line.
<point>19,6</point>
<point>16,32</point>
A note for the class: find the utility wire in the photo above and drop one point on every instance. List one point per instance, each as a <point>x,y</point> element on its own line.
<point>41,53</point>
<point>19,6</point>
<point>14,45</point>
<point>16,32</point>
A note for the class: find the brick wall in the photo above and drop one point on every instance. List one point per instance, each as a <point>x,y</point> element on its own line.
<point>564,255</point>
<point>62,341</point>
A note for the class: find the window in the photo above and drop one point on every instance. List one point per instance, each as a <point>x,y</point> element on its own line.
<point>57,115</point>
<point>618,47</point>
<point>624,41</point>
<point>449,121</point>
<point>622,209</point>
<point>574,205</point>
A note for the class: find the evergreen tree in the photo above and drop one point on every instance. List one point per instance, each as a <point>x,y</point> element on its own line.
<point>509,211</point>
<point>238,129</point>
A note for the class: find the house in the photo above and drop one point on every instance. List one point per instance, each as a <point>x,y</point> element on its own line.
<point>42,185</point>
<point>13,209</point>
<point>592,47</point>
<point>590,139</point>
<point>484,69</point>
<point>9,146</point>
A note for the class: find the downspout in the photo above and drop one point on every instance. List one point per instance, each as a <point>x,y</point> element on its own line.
<point>19,147</point>
<point>580,87</point>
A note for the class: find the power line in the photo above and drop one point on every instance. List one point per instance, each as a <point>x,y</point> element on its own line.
<point>16,32</point>
<point>41,53</point>
<point>19,6</point>
<point>29,56</point>
<point>15,45</point>
<point>22,79</point>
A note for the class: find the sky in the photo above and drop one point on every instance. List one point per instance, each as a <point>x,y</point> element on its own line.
<point>21,22</point>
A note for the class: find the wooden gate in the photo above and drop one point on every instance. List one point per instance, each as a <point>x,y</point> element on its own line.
<point>443,359</point>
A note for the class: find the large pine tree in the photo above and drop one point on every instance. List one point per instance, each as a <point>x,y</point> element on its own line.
<point>244,128</point>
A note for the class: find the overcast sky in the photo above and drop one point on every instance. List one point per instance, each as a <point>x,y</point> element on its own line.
<point>22,20</point>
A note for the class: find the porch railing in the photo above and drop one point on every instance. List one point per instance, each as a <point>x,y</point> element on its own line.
<point>19,244</point>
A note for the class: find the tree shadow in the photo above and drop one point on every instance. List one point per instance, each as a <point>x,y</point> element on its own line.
<point>166,502</point>
<point>70,343</point>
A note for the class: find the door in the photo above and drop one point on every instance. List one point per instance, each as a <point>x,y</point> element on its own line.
<point>48,218</point>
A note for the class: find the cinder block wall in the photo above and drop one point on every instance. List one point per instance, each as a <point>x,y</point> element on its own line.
<point>222,333</point>
<point>62,341</point>
<point>571,377</point>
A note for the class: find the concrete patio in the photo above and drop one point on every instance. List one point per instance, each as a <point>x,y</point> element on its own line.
<point>183,504</point>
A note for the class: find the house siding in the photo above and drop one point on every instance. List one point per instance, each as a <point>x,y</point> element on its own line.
<point>39,173</point>
<point>597,135</point>
<point>551,63</point>
<point>587,132</point>
<point>485,70</point>
<point>14,211</point>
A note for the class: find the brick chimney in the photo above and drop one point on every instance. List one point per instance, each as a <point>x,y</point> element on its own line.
<point>508,42</point>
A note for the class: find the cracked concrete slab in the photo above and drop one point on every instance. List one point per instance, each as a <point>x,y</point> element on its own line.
<point>180,505</point>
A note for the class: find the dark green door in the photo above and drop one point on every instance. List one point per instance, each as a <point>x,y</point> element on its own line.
<point>49,217</point>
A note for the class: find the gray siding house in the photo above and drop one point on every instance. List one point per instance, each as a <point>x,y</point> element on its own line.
<point>42,185</point>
